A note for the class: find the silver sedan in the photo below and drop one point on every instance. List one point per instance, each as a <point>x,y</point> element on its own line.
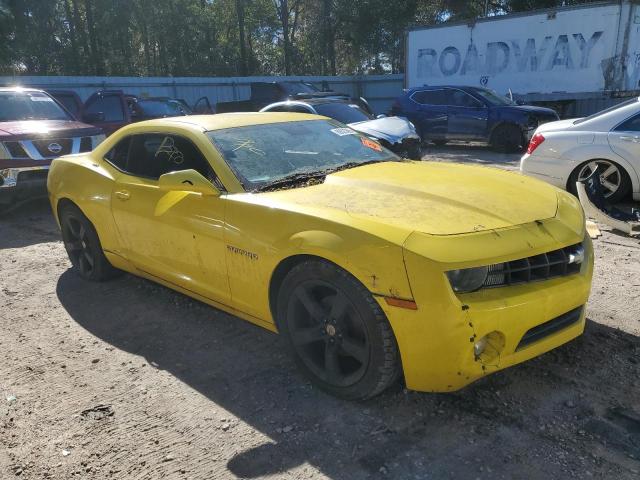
<point>566,151</point>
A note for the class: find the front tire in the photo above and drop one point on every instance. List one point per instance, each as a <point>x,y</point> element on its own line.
<point>338,334</point>
<point>507,138</point>
<point>83,246</point>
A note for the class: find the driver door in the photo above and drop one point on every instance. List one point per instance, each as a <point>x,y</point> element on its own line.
<point>467,116</point>
<point>174,236</point>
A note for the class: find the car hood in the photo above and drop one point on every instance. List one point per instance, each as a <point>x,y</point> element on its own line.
<point>427,197</point>
<point>531,109</point>
<point>45,128</point>
<point>392,129</point>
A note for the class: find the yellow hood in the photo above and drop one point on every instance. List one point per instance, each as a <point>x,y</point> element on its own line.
<point>428,197</point>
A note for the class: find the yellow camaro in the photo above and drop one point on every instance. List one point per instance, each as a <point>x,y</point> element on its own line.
<point>371,266</point>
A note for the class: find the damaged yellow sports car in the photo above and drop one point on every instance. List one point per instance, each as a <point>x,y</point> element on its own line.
<point>372,267</point>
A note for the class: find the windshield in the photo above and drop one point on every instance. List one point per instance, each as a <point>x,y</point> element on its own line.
<point>298,87</point>
<point>492,97</point>
<point>16,106</point>
<point>262,154</point>
<point>607,110</point>
<point>163,108</point>
<point>343,112</point>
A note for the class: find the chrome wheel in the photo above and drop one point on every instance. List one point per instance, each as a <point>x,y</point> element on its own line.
<point>328,334</point>
<point>610,178</point>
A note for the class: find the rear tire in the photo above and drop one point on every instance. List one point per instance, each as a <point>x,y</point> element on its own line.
<point>337,333</point>
<point>507,138</point>
<point>83,246</point>
<point>615,179</point>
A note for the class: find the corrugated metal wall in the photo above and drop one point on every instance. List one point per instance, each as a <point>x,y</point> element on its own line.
<point>379,90</point>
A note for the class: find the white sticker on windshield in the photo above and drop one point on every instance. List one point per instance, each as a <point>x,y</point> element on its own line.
<point>343,131</point>
<point>40,98</point>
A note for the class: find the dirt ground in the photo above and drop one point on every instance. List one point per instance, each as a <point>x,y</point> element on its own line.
<point>130,380</point>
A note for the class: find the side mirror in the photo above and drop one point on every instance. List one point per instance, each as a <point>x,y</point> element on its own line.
<point>382,115</point>
<point>187,181</point>
<point>519,101</point>
<point>93,117</point>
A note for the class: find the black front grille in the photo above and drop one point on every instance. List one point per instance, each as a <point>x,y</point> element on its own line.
<point>49,148</point>
<point>549,328</point>
<point>16,150</point>
<point>557,263</point>
<point>86,145</point>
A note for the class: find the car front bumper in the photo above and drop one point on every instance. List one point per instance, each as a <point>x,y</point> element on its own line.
<point>519,322</point>
<point>20,183</point>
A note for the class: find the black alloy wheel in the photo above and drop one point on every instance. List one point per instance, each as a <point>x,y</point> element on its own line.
<point>328,334</point>
<point>83,246</point>
<point>336,331</point>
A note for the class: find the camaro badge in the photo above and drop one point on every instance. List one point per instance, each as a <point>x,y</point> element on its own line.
<point>240,251</point>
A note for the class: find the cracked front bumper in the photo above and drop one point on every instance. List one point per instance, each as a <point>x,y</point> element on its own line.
<point>436,341</point>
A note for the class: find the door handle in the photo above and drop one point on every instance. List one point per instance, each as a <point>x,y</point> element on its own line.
<point>123,195</point>
<point>627,138</point>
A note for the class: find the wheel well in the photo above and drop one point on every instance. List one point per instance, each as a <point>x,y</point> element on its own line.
<point>280,273</point>
<point>504,124</point>
<point>62,203</point>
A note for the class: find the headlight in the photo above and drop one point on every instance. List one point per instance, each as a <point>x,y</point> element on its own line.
<point>412,125</point>
<point>98,139</point>
<point>467,279</point>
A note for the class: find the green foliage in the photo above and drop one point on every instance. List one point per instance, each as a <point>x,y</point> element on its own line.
<point>222,37</point>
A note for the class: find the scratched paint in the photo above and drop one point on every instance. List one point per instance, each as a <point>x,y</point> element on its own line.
<point>572,50</point>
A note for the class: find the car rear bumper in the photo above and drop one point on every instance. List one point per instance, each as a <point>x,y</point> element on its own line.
<point>20,183</point>
<point>555,171</point>
<point>517,323</point>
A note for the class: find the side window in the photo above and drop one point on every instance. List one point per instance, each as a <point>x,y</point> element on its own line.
<point>430,97</point>
<point>291,108</point>
<point>458,98</point>
<point>69,103</point>
<point>299,109</point>
<point>153,155</point>
<point>265,91</point>
<point>280,108</point>
<point>110,106</point>
<point>119,154</point>
<point>630,125</point>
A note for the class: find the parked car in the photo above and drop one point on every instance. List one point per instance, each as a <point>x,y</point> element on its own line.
<point>112,109</point>
<point>34,129</point>
<point>564,152</point>
<point>446,113</point>
<point>396,133</point>
<point>69,100</point>
<point>372,267</point>
<point>266,93</point>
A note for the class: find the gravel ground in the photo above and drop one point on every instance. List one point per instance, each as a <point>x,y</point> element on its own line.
<point>130,380</point>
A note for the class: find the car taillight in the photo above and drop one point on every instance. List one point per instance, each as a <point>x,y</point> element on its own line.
<point>535,142</point>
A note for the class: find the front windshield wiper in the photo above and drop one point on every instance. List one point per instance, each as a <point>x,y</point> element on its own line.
<point>317,175</point>
<point>291,180</point>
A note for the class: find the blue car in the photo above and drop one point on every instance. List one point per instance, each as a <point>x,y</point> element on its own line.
<point>446,113</point>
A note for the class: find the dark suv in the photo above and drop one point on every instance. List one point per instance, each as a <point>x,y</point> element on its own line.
<point>448,113</point>
<point>35,129</point>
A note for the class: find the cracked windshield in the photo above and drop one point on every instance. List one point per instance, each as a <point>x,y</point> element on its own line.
<point>263,154</point>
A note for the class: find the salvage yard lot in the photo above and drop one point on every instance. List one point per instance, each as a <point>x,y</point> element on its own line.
<point>128,379</point>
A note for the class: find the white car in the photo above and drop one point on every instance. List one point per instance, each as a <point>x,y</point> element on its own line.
<point>566,151</point>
